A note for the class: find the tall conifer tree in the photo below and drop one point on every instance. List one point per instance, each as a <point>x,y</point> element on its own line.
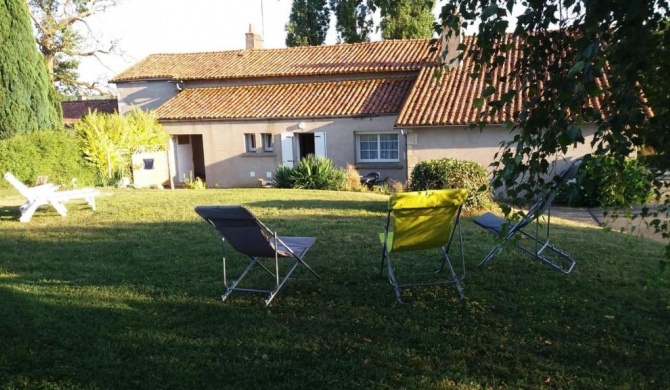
<point>308,23</point>
<point>28,100</point>
<point>354,20</point>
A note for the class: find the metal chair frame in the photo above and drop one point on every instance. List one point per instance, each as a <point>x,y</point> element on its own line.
<point>456,278</point>
<point>281,246</point>
<point>541,243</point>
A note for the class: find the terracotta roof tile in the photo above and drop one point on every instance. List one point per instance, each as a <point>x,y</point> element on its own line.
<point>370,57</point>
<point>75,109</point>
<point>451,100</point>
<point>321,99</point>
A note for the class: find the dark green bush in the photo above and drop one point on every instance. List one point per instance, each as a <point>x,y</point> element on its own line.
<point>317,173</point>
<point>314,173</point>
<point>54,154</point>
<point>601,182</point>
<point>453,173</point>
<point>282,178</point>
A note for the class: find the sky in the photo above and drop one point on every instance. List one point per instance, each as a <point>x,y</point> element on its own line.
<point>144,27</point>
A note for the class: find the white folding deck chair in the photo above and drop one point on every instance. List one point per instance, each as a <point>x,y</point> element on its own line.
<point>249,236</point>
<point>424,220</point>
<point>48,194</point>
<point>540,246</point>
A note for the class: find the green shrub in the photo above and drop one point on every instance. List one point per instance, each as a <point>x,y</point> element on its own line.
<point>51,153</point>
<point>453,173</point>
<point>317,173</point>
<point>194,184</point>
<point>109,140</point>
<point>282,178</point>
<point>601,182</point>
<point>352,181</point>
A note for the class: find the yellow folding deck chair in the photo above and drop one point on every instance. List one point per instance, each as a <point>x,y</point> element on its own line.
<point>419,221</point>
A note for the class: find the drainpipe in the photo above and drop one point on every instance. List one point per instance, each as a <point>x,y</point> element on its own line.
<point>404,133</point>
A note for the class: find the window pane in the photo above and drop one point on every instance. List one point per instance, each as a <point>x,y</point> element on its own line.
<point>250,142</point>
<point>388,146</point>
<point>267,141</point>
<point>368,146</point>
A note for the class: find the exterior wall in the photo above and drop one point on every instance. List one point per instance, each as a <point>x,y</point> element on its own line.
<point>426,143</point>
<point>150,169</point>
<point>147,95</point>
<point>228,164</point>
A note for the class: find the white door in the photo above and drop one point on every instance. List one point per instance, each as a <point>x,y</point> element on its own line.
<point>320,144</point>
<point>287,150</point>
<point>184,158</point>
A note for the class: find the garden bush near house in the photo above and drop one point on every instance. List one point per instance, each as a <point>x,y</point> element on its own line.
<point>194,184</point>
<point>453,173</point>
<point>311,173</point>
<point>282,178</point>
<point>52,153</point>
<point>600,184</point>
<point>353,179</point>
<point>317,173</point>
<point>109,140</point>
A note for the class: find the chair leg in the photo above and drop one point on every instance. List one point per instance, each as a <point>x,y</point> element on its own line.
<point>91,202</point>
<point>279,285</point>
<point>60,207</point>
<point>233,287</point>
<point>384,257</point>
<point>393,280</point>
<point>457,280</point>
<point>27,212</point>
<point>492,253</point>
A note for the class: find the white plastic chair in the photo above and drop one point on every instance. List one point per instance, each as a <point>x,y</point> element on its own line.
<point>48,194</point>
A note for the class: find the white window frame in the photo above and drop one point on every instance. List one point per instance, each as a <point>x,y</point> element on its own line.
<point>250,142</point>
<point>378,134</point>
<point>267,139</point>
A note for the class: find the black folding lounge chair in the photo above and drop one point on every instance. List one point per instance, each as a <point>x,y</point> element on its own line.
<point>540,246</point>
<point>249,236</point>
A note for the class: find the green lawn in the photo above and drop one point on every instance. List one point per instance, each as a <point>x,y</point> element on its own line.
<point>128,297</point>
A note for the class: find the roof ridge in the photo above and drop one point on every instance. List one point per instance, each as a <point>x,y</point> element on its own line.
<point>295,48</point>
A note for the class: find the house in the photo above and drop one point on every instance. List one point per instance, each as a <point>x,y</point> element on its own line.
<point>234,116</point>
<point>73,110</point>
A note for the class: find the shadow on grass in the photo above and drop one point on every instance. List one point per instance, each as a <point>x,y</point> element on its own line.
<point>136,305</point>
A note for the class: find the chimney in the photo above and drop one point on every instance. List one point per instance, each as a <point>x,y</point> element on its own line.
<point>254,41</point>
<point>449,43</point>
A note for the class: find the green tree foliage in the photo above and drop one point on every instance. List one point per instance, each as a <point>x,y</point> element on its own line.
<point>568,48</point>
<point>28,101</point>
<point>656,84</point>
<point>308,23</point>
<point>354,20</point>
<point>406,19</point>
<point>63,36</point>
<point>109,140</point>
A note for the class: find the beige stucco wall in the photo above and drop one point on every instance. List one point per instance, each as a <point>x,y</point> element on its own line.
<point>147,95</point>
<point>426,143</point>
<point>227,164</point>
<point>158,175</point>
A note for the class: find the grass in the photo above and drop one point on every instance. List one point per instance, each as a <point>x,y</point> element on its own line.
<point>128,297</point>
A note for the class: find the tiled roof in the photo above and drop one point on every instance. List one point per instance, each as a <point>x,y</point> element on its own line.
<point>451,99</point>
<point>296,100</point>
<point>75,109</point>
<point>370,57</point>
